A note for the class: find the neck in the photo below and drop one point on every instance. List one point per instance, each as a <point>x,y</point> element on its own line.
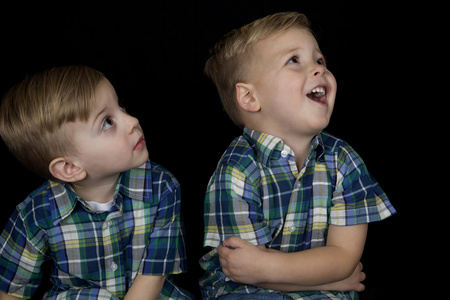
<point>301,149</point>
<point>100,191</point>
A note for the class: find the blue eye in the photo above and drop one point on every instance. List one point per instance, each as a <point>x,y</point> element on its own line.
<point>107,124</point>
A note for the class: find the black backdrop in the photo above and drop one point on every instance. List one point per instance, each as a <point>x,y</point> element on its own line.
<point>154,53</point>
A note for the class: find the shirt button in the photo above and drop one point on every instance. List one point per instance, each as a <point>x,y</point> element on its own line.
<point>107,224</point>
<point>292,228</point>
<point>284,153</point>
<point>114,266</point>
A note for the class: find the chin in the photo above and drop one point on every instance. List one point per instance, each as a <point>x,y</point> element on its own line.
<point>319,125</point>
<point>143,160</point>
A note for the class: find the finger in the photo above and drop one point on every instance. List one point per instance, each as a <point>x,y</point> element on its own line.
<point>222,250</point>
<point>234,242</point>
<point>223,262</point>
<point>361,287</point>
<point>363,276</point>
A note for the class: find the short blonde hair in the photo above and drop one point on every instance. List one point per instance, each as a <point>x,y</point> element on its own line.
<point>33,111</point>
<point>231,56</point>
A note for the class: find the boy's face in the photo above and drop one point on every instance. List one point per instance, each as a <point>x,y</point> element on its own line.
<point>295,90</point>
<point>111,141</point>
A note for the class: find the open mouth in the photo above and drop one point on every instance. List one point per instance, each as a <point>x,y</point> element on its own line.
<point>318,94</point>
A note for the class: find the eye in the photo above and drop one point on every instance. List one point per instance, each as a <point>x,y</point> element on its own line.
<point>122,107</point>
<point>107,124</point>
<point>321,61</point>
<point>294,60</point>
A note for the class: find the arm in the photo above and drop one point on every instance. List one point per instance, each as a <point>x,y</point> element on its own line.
<point>337,261</point>
<point>351,283</point>
<point>145,287</point>
<point>4,296</point>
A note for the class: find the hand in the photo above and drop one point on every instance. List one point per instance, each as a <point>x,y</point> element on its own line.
<point>351,283</point>
<point>241,260</point>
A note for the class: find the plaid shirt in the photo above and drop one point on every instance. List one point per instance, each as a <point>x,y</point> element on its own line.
<point>258,194</point>
<point>95,255</point>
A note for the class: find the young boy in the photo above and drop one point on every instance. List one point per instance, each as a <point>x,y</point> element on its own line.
<point>288,205</point>
<point>107,218</point>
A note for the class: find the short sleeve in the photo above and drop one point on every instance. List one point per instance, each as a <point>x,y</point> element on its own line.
<point>233,208</point>
<point>358,198</point>
<point>20,260</point>
<point>165,252</point>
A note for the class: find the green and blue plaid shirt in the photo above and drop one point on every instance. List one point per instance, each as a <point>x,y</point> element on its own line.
<point>258,194</point>
<point>96,255</point>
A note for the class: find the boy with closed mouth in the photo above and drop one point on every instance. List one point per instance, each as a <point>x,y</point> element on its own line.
<point>107,218</point>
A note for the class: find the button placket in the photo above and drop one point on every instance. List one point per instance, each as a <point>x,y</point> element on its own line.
<point>108,230</point>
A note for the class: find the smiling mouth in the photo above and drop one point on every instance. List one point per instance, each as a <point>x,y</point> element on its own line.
<point>318,94</point>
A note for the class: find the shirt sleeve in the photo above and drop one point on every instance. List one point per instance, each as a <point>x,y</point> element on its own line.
<point>233,208</point>
<point>358,198</point>
<point>20,260</point>
<point>165,252</point>
<point>91,293</point>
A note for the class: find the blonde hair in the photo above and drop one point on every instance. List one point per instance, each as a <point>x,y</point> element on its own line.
<point>230,58</point>
<point>33,111</point>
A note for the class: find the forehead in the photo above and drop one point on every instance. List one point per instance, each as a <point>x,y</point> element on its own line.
<point>104,95</point>
<point>286,41</point>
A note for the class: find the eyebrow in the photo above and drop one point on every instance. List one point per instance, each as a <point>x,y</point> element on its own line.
<point>293,49</point>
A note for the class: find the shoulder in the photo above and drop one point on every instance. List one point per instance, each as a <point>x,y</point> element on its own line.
<point>40,209</point>
<point>163,182</point>
<point>38,200</point>
<point>162,176</point>
<point>332,143</point>
<point>240,159</point>
<point>340,152</point>
<point>239,151</point>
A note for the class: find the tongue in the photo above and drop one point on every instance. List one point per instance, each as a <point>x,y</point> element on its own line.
<point>315,96</point>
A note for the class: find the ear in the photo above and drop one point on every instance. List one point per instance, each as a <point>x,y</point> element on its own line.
<point>246,97</point>
<point>66,171</point>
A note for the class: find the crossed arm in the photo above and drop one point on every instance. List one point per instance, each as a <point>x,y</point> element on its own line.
<point>335,266</point>
<point>145,287</point>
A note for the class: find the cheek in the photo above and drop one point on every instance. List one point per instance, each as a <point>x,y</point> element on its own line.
<point>107,149</point>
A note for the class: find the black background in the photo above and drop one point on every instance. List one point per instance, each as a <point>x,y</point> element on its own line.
<point>154,53</point>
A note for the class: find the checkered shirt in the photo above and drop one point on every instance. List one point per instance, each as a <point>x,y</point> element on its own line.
<point>96,255</point>
<point>258,194</point>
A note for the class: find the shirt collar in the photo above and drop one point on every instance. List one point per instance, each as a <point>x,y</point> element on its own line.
<point>271,147</point>
<point>134,183</point>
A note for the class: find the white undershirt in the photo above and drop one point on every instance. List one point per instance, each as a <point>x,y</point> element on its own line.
<point>100,207</point>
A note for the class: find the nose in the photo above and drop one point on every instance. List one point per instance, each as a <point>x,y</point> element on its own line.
<point>132,123</point>
<point>318,70</point>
